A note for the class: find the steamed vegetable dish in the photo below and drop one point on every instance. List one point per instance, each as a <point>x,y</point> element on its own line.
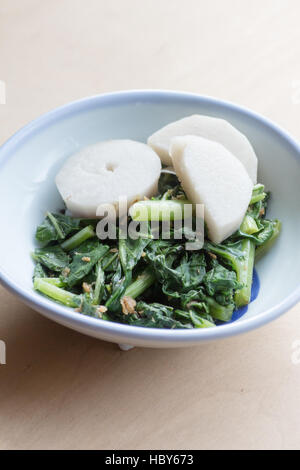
<point>153,279</point>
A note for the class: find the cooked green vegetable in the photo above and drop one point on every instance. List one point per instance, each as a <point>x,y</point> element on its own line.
<point>78,238</point>
<point>53,257</point>
<point>55,281</point>
<point>39,271</point>
<point>249,226</point>
<point>141,283</point>
<point>158,210</point>
<point>83,261</point>
<point>56,227</point>
<point>262,249</point>
<point>117,288</point>
<point>155,315</point>
<point>240,257</point>
<point>150,281</point>
<point>130,252</point>
<point>258,193</point>
<point>245,274</point>
<point>99,284</point>
<point>56,293</point>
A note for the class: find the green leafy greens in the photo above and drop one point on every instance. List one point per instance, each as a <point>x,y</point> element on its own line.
<point>149,281</point>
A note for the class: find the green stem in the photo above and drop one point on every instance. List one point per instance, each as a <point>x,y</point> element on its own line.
<point>110,260</point>
<point>200,322</point>
<point>78,238</point>
<point>113,303</point>
<point>244,273</point>
<point>258,193</point>
<point>241,260</point>
<point>99,286</point>
<point>219,312</point>
<point>123,254</point>
<point>141,283</point>
<point>158,210</point>
<point>55,281</point>
<point>56,293</point>
<point>249,225</point>
<point>55,225</point>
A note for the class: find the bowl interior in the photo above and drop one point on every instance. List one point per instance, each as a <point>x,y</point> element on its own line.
<point>30,161</point>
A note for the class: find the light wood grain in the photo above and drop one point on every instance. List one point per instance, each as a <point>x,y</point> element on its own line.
<point>63,390</point>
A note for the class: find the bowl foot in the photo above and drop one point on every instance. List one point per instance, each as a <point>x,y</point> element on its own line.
<point>125,347</point>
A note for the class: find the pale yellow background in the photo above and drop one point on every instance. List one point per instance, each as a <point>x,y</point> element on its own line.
<point>60,389</point>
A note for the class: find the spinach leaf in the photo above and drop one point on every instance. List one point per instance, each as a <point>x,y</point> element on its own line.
<point>87,308</point>
<point>131,251</point>
<point>39,271</point>
<point>110,261</point>
<point>220,280</point>
<point>258,209</point>
<point>154,315</point>
<point>53,257</point>
<point>262,249</point>
<point>119,284</point>
<point>187,275</point>
<point>191,270</point>
<point>199,321</point>
<point>266,230</point>
<point>56,227</point>
<point>240,257</point>
<point>201,287</point>
<point>195,296</point>
<point>207,307</point>
<point>220,312</point>
<point>84,259</point>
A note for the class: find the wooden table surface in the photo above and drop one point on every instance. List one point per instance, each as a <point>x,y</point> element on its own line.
<point>60,389</point>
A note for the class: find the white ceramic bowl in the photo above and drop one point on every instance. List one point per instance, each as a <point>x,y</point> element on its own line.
<point>31,158</point>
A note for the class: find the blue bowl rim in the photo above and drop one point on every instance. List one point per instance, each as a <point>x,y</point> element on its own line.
<point>91,325</point>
